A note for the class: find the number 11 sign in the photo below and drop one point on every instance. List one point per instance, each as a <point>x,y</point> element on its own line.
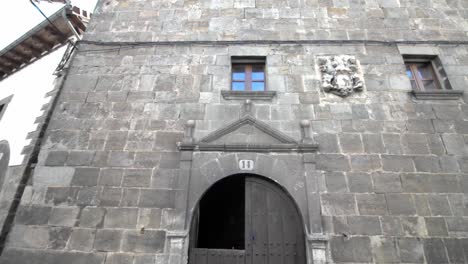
<point>246,165</point>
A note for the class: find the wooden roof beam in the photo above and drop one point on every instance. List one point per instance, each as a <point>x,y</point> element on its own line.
<point>42,42</point>
<point>27,48</point>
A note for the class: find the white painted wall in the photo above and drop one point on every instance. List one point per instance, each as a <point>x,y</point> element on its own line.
<point>29,85</point>
<point>28,88</point>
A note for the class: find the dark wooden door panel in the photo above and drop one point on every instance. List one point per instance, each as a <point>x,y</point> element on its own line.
<point>275,233</point>
<point>216,256</point>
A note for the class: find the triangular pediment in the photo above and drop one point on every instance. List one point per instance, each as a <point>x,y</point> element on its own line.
<point>247,130</point>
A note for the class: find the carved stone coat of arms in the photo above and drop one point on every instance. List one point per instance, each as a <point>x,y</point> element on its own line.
<point>340,74</point>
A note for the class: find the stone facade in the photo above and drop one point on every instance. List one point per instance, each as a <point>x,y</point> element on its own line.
<point>387,184</point>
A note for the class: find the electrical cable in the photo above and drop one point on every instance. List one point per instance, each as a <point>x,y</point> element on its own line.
<point>120,45</point>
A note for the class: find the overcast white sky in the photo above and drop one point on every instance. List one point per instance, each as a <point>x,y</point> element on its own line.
<point>30,84</point>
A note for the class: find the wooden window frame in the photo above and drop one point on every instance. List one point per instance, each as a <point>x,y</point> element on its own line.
<point>414,61</point>
<point>249,63</point>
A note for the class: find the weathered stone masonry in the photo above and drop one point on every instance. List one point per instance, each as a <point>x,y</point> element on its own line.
<point>388,183</point>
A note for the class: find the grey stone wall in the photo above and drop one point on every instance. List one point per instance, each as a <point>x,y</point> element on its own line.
<point>279,19</point>
<point>392,171</point>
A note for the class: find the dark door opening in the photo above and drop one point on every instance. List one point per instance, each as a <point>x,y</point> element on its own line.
<point>221,215</point>
<point>244,219</point>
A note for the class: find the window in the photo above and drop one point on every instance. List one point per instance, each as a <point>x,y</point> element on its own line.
<point>426,73</point>
<point>248,74</point>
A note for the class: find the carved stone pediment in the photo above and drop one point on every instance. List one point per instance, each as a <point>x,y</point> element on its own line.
<point>247,134</point>
<point>340,74</point>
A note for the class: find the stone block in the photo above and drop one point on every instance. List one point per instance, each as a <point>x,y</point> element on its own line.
<point>164,178</point>
<point>170,160</point>
<point>439,205</point>
<point>420,126</point>
<point>110,196</point>
<point>338,204</point>
<point>87,196</point>
<point>32,215</point>
<point>63,216</point>
<point>56,158</point>
<point>61,195</point>
<point>332,162</point>
<point>397,163</point>
<point>58,237</point>
<point>137,178</point>
<point>384,250</point>
<point>359,182</point>
<point>364,225</point>
<point>422,204</point>
<point>413,226</point>
<point>147,159</point>
<point>53,176</point>
<point>436,226</point>
<point>149,218</point>
<point>82,239</point>
<point>116,140</point>
<point>415,144</point>
<point>121,218</point>
<point>147,242</point>
<point>411,250</point>
<point>130,197</point>
<point>456,250</point>
<point>328,143</point>
<point>455,144</point>
<point>121,159</point>
<point>400,204</point>
<point>391,226</point>
<point>15,256</point>
<point>426,164</point>
<point>92,217</point>
<point>373,143</point>
<point>336,182</point>
<point>119,258</point>
<point>457,224</point>
<point>85,177</point>
<point>386,182</point>
<point>351,143</point>
<point>172,219</point>
<point>108,240</point>
<point>365,163</point>
<point>371,204</point>
<point>445,183</point>
<point>392,143</point>
<point>29,236</point>
<point>416,183</point>
<point>341,111</point>
<point>354,249</point>
<point>110,177</point>
<point>167,141</point>
<point>359,111</point>
<point>434,250</point>
<point>80,158</point>
<point>447,112</point>
<point>157,198</point>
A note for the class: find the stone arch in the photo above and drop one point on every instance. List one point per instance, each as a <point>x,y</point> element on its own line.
<point>297,227</point>
<point>285,171</point>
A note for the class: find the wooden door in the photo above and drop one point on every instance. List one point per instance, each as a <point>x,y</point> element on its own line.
<point>273,230</point>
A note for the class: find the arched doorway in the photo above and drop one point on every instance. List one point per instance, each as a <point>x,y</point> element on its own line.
<point>246,219</point>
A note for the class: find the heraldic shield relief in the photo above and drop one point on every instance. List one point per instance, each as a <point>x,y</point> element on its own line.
<point>340,74</point>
